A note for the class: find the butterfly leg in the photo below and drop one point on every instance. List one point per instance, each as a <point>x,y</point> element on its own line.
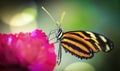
<point>52,32</point>
<point>59,54</point>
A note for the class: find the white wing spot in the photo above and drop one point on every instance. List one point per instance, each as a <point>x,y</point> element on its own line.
<point>91,34</point>
<point>107,48</point>
<point>93,37</point>
<point>103,38</point>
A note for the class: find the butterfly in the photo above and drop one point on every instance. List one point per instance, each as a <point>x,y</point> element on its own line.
<point>82,44</point>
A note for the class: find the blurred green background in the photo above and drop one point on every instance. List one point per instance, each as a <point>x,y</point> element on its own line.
<point>101,16</point>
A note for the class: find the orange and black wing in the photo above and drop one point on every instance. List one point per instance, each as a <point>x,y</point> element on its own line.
<point>84,44</point>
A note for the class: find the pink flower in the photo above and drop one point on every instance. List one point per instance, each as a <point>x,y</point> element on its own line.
<point>27,50</point>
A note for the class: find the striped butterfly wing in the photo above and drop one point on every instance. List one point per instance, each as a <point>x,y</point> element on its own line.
<point>84,44</point>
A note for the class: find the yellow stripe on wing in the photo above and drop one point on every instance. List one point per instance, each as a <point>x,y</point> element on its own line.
<point>81,40</point>
<point>77,52</point>
<point>76,44</point>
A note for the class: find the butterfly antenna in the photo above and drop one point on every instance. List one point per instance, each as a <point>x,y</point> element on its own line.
<point>49,15</point>
<point>61,19</point>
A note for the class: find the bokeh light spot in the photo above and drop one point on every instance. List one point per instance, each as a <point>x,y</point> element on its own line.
<point>79,66</point>
<point>28,15</point>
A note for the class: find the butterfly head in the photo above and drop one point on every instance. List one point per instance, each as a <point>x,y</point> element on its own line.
<point>59,28</point>
<point>59,33</point>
